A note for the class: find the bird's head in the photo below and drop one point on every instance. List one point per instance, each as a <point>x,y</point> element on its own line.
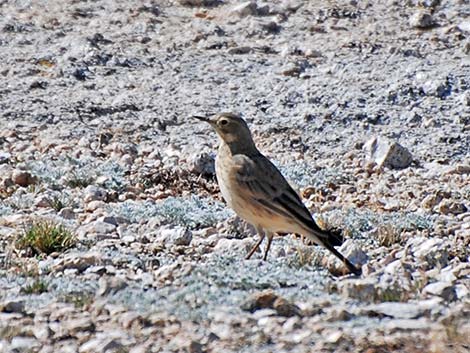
<point>231,128</point>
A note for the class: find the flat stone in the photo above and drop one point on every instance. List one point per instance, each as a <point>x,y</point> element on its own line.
<point>461,291</point>
<point>434,251</point>
<point>285,308</point>
<point>260,300</point>
<point>94,193</point>
<point>422,20</point>
<point>13,306</point>
<point>23,178</point>
<point>74,326</point>
<point>100,345</point>
<point>23,344</point>
<point>444,290</point>
<point>244,9</point>
<point>202,163</point>
<point>66,213</point>
<point>407,325</point>
<point>363,289</point>
<point>94,205</point>
<point>395,309</point>
<point>4,157</point>
<point>269,300</point>
<point>109,285</point>
<point>78,261</point>
<point>100,227</point>
<point>175,235</point>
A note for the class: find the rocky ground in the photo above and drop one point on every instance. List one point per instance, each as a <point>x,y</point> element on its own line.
<point>365,106</point>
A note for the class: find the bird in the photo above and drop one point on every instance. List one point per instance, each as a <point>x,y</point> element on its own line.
<point>257,191</point>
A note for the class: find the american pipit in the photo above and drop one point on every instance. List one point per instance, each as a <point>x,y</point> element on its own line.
<point>256,190</point>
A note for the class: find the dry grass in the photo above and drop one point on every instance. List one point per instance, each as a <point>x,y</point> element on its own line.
<point>46,237</point>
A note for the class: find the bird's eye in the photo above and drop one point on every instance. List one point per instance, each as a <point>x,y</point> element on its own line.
<point>223,122</point>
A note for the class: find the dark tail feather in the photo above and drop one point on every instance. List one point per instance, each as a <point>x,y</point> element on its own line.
<point>335,237</point>
<point>347,263</point>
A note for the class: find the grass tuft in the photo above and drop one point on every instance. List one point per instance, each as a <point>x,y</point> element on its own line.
<point>78,299</point>
<point>46,237</point>
<point>37,287</point>
<point>79,180</point>
<point>60,201</point>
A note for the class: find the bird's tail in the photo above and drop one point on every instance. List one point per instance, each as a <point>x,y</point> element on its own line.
<point>329,239</point>
<point>335,236</point>
<point>345,261</point>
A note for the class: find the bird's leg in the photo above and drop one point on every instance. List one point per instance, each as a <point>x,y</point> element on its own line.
<point>268,245</point>
<point>258,243</point>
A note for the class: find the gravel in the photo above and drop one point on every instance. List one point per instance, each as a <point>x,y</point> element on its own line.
<point>364,107</point>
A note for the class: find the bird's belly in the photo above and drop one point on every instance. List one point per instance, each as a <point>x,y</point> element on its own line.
<point>259,216</point>
<point>249,209</point>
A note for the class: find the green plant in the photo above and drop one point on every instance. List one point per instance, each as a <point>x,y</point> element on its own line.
<point>57,203</point>
<point>79,180</point>
<point>46,237</point>
<point>37,287</point>
<point>78,299</point>
<point>60,201</point>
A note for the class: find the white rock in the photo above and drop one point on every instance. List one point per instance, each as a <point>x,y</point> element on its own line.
<point>66,213</point>
<point>13,306</point>
<point>462,291</point>
<point>244,9</point>
<point>422,20</point>
<point>42,201</point>
<point>94,205</point>
<point>444,290</point>
<point>77,261</point>
<point>76,325</point>
<point>446,275</point>
<point>434,251</point>
<point>464,26</point>
<point>4,157</point>
<point>334,337</point>
<point>396,310</point>
<point>364,290</point>
<point>352,252</point>
<point>127,159</point>
<point>128,239</point>
<point>226,246</point>
<point>387,153</point>
<point>100,345</point>
<point>394,267</point>
<point>202,163</point>
<point>23,344</point>
<point>100,227</point>
<point>42,332</point>
<point>176,235</point>
<point>94,193</point>
<point>407,324</point>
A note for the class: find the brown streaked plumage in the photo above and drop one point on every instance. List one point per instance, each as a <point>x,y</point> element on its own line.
<point>256,190</point>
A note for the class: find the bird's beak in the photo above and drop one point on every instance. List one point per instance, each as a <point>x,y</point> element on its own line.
<point>205,119</point>
<point>202,118</point>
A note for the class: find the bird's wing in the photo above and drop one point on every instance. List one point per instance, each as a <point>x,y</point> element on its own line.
<point>264,183</point>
